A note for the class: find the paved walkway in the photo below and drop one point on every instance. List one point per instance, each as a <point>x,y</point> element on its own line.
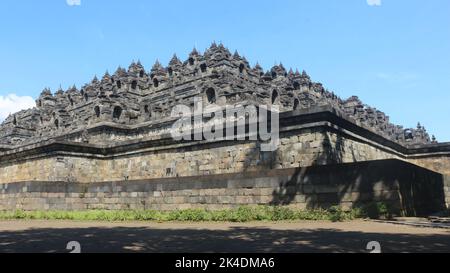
<point>53,236</point>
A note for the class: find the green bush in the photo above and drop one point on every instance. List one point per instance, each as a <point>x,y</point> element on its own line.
<point>239,214</point>
<point>282,213</point>
<point>376,210</point>
<point>337,214</point>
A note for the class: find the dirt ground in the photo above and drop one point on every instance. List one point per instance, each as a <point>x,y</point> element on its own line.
<point>293,237</point>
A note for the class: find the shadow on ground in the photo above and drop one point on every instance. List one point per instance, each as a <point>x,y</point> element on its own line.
<point>237,239</point>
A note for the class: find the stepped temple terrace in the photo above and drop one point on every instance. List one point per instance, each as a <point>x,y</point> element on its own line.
<point>108,144</point>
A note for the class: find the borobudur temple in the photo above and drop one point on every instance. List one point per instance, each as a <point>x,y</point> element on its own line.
<point>108,145</point>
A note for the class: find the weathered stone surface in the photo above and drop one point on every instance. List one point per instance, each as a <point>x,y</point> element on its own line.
<point>414,190</point>
<point>117,128</point>
<point>136,96</point>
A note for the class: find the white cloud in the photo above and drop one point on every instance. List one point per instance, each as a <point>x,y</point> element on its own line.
<point>73,2</point>
<point>12,103</point>
<point>374,2</point>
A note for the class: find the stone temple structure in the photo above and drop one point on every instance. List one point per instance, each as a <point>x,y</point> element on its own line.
<point>136,96</point>
<point>108,145</point>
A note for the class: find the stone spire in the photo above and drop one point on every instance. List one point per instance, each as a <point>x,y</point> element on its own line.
<point>236,55</point>
<point>95,80</point>
<point>60,92</point>
<point>194,53</point>
<point>106,78</point>
<point>120,72</point>
<point>135,68</point>
<point>278,71</point>
<point>174,62</point>
<point>244,60</point>
<point>305,75</point>
<point>73,89</point>
<point>267,76</point>
<point>158,69</point>
<point>291,73</point>
<point>46,92</point>
<point>217,53</point>
<point>258,70</point>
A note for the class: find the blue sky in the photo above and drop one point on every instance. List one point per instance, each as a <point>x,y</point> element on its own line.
<point>394,56</point>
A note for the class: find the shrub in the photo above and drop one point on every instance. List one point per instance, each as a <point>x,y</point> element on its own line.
<point>376,210</point>
<point>337,214</point>
<point>240,214</point>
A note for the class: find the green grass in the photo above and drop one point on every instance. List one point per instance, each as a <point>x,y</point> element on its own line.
<point>241,214</point>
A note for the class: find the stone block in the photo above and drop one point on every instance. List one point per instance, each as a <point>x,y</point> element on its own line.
<point>325,189</point>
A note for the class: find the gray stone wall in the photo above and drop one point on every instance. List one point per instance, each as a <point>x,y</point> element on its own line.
<point>447,190</point>
<point>407,188</point>
<point>308,140</point>
<point>299,148</point>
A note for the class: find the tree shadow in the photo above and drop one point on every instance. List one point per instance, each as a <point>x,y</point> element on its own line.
<point>233,240</point>
<point>406,189</point>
